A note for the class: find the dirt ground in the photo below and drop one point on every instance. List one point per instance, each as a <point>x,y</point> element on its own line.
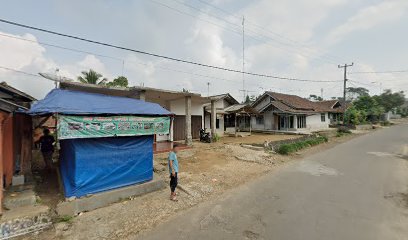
<point>206,171</point>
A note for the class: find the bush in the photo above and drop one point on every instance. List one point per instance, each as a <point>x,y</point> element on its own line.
<point>385,123</point>
<point>286,149</point>
<point>216,138</point>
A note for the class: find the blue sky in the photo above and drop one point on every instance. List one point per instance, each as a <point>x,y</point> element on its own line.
<point>299,38</point>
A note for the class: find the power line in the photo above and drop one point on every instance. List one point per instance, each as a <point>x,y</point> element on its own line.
<point>59,46</point>
<point>157,55</point>
<point>18,71</point>
<point>381,72</point>
<point>115,58</point>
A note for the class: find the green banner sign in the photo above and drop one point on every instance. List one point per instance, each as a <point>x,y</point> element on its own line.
<point>70,127</point>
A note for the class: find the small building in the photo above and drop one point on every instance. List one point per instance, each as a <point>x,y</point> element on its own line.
<point>238,118</point>
<point>221,102</point>
<point>334,108</point>
<point>15,135</point>
<point>106,142</point>
<point>284,112</point>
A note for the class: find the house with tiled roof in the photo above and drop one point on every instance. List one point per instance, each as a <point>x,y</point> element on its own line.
<point>223,121</point>
<point>284,112</point>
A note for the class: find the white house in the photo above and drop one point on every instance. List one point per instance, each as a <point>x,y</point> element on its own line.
<point>283,112</point>
<point>221,102</point>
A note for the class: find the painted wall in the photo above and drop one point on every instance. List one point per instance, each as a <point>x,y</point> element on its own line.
<point>178,107</point>
<point>314,122</point>
<point>207,122</point>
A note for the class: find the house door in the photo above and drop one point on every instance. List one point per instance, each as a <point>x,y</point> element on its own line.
<point>179,127</point>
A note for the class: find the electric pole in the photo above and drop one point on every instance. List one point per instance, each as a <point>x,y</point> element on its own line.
<point>208,89</point>
<point>345,66</point>
<point>243,56</point>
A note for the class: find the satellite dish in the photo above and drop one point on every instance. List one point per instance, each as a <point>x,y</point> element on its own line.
<point>55,78</point>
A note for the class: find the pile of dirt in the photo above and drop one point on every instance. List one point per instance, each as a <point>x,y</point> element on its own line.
<point>245,154</point>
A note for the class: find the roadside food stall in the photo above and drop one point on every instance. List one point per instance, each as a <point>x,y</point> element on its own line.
<point>106,142</point>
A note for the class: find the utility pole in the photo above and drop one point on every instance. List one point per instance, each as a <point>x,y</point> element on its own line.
<point>321,93</point>
<point>345,66</point>
<point>208,89</point>
<point>243,56</point>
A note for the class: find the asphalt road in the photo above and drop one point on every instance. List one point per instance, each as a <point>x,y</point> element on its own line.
<point>355,190</point>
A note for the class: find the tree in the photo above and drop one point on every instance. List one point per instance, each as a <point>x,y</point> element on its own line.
<point>315,97</point>
<point>369,105</point>
<point>250,99</point>
<point>354,116</point>
<point>92,77</point>
<point>118,82</point>
<point>390,100</point>
<point>354,93</point>
<point>247,99</point>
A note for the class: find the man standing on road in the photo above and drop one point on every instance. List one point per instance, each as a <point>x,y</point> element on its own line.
<point>173,169</point>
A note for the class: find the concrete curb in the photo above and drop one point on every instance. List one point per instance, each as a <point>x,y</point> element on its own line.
<point>98,200</point>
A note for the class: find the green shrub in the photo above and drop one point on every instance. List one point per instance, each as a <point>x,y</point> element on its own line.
<point>385,123</point>
<point>286,149</point>
<point>343,130</point>
<point>216,138</point>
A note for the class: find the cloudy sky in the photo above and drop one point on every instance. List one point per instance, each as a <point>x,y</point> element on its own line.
<point>303,39</point>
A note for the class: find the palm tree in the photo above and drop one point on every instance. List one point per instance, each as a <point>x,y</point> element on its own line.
<point>92,77</point>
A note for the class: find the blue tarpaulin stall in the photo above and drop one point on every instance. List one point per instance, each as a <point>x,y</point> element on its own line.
<point>91,165</point>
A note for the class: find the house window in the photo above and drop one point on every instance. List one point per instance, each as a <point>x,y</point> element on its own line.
<point>259,120</point>
<point>323,117</point>
<point>301,121</point>
<point>217,123</point>
<point>291,121</point>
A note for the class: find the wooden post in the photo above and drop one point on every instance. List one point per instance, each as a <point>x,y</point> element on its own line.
<point>2,118</point>
<point>235,124</point>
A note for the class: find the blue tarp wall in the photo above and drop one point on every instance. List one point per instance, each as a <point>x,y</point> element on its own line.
<point>93,165</point>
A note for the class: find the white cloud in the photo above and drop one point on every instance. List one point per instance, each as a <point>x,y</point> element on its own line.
<point>370,17</point>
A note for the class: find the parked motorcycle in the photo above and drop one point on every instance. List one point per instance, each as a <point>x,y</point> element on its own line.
<point>205,136</point>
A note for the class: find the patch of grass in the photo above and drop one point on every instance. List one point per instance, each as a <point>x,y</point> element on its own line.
<point>216,138</point>
<point>286,149</point>
<point>386,123</point>
<point>65,218</point>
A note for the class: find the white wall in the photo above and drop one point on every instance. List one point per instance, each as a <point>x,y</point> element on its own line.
<point>178,107</point>
<point>207,122</point>
<point>269,120</point>
<point>314,123</point>
<point>256,126</point>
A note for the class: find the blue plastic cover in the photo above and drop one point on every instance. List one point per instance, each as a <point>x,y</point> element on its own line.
<point>83,103</point>
<point>93,165</point>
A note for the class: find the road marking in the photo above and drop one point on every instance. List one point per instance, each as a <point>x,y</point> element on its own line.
<point>381,154</point>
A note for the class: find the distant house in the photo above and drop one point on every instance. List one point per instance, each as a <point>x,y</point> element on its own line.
<point>283,112</point>
<point>334,108</point>
<point>221,102</point>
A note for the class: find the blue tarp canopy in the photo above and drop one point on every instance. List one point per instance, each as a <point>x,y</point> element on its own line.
<point>93,165</point>
<point>83,103</point>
